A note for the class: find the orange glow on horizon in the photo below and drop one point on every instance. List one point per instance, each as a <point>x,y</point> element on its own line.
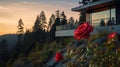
<point>10,13</point>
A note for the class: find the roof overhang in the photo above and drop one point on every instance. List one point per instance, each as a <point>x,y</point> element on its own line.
<point>94,5</point>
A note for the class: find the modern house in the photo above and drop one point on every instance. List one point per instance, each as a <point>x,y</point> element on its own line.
<point>102,14</point>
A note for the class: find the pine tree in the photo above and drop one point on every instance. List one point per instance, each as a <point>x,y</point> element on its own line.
<point>37,24</point>
<point>42,17</point>
<point>51,21</point>
<point>71,20</point>
<point>20,31</point>
<point>52,32</point>
<point>43,20</point>
<point>57,20</point>
<point>57,14</point>
<point>110,21</point>
<point>36,28</point>
<point>102,23</point>
<point>51,27</point>
<point>17,49</point>
<point>63,18</point>
<point>82,17</point>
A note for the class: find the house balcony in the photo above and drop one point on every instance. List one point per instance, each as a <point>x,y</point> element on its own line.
<point>64,30</point>
<point>68,30</point>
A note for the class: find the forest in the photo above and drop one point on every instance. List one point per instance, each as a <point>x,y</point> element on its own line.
<point>35,45</point>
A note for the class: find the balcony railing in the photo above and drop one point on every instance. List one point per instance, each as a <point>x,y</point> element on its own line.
<point>65,27</point>
<point>95,23</point>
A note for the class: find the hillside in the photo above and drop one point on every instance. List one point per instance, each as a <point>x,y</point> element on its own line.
<point>11,40</point>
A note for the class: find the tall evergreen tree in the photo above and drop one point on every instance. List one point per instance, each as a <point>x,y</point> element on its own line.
<point>63,19</point>
<point>17,49</point>
<point>63,15</point>
<point>102,22</point>
<point>71,20</point>
<point>57,20</point>
<point>52,19</point>
<point>57,14</point>
<point>37,32</point>
<point>43,17</point>
<point>37,24</point>
<point>44,26</point>
<point>52,32</point>
<point>43,20</point>
<point>51,29</point>
<point>82,17</point>
<point>20,31</point>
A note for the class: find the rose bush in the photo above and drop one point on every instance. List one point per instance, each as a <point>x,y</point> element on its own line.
<point>58,57</point>
<point>83,31</point>
<point>112,35</point>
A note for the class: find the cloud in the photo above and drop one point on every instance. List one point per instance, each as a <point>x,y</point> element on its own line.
<point>11,12</point>
<point>3,8</point>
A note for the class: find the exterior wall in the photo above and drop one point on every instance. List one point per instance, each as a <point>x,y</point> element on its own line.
<point>117,4</point>
<point>63,33</point>
<point>115,28</point>
<point>66,33</point>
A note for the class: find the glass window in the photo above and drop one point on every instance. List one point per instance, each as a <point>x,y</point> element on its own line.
<point>103,18</point>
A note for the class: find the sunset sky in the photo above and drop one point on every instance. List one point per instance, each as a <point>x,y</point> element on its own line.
<point>12,10</point>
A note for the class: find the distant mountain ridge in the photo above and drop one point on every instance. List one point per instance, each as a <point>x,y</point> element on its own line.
<point>11,40</point>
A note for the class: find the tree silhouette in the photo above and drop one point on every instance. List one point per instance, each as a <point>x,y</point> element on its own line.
<point>51,28</point>
<point>71,20</point>
<point>51,21</point>
<point>43,20</point>
<point>63,19</point>
<point>102,22</point>
<point>57,20</point>
<point>52,32</point>
<point>38,33</point>
<point>17,49</point>
<point>42,17</point>
<point>110,21</point>
<point>82,17</point>
<point>57,14</point>
<point>37,24</point>
<point>20,31</point>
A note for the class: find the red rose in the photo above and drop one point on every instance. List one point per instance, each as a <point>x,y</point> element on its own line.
<point>83,31</point>
<point>112,35</point>
<point>58,57</point>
